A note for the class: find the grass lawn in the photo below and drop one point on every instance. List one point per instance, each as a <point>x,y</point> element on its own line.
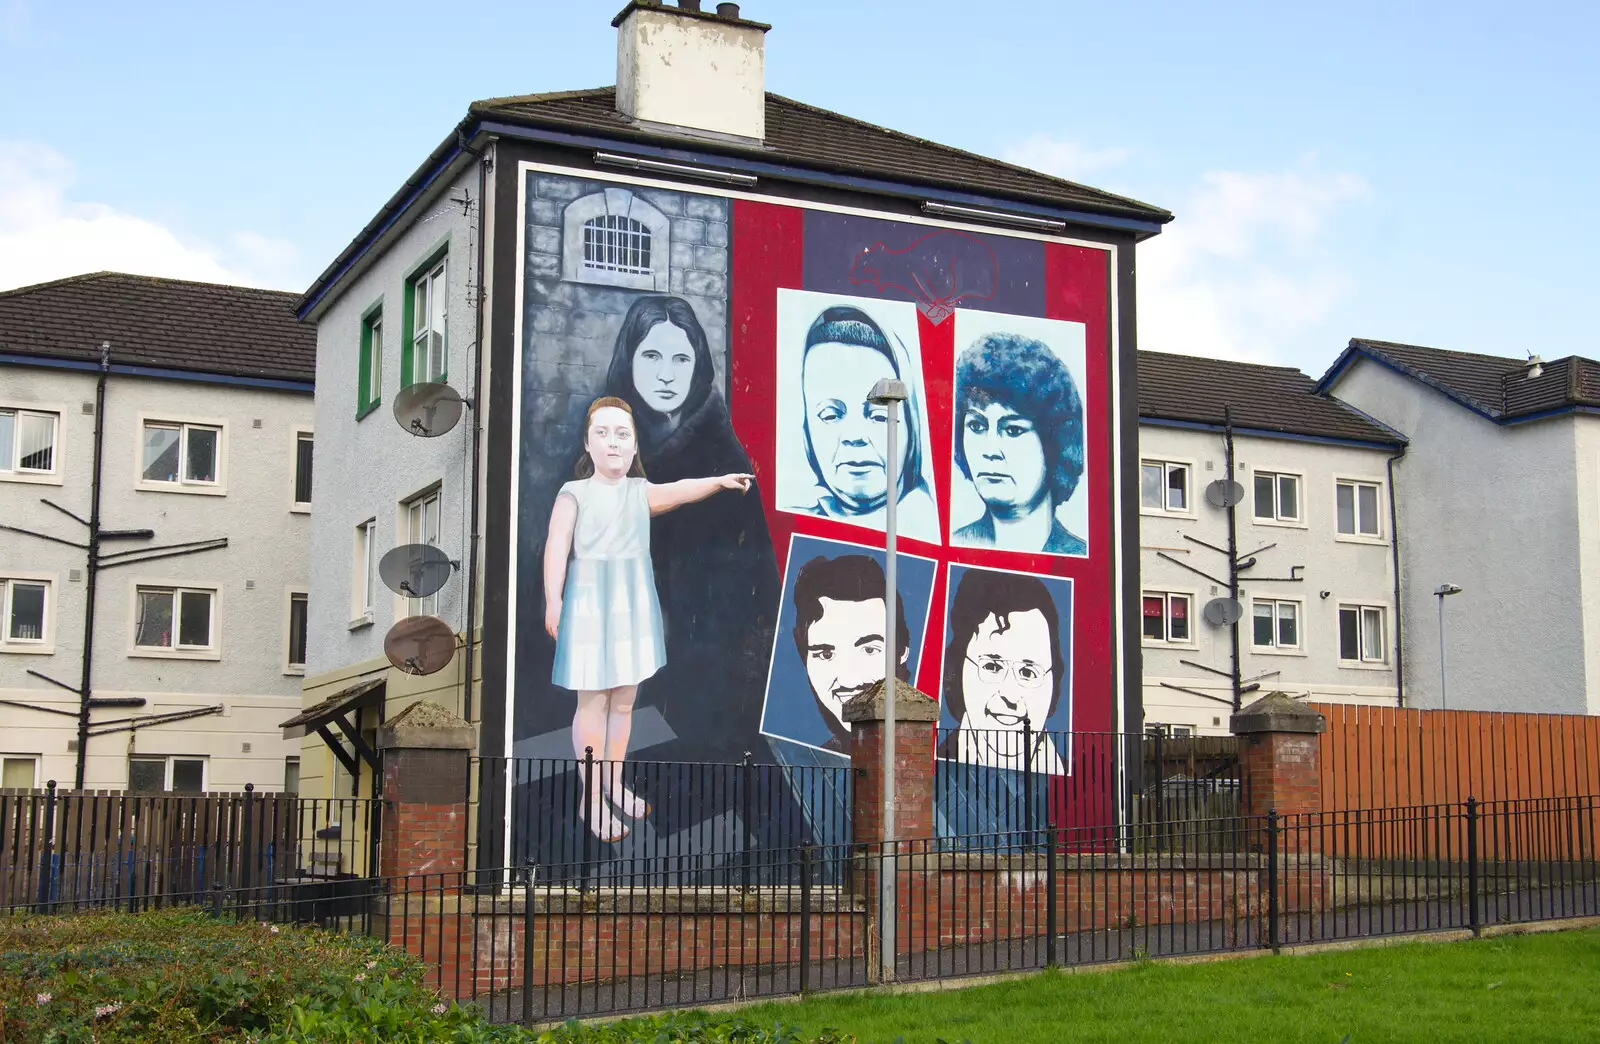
<point>1512,988</point>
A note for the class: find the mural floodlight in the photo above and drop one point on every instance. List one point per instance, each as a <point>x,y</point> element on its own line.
<point>415,570</point>
<point>420,644</point>
<point>429,409</point>
<point>1223,612</point>
<point>1224,493</point>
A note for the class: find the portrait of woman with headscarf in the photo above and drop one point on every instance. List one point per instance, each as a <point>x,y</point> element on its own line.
<point>715,569</point>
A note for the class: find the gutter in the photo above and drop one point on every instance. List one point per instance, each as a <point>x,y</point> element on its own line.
<point>1399,617</point>
<point>1268,433</point>
<point>160,373</point>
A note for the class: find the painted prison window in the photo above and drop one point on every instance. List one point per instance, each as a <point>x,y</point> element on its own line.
<point>1277,497</point>
<point>28,442</point>
<point>1357,504</point>
<point>1163,486</point>
<point>1275,624</point>
<point>429,324</point>
<point>613,243</point>
<point>1362,635</point>
<point>174,618</point>
<point>24,602</point>
<point>181,454</point>
<point>1166,617</point>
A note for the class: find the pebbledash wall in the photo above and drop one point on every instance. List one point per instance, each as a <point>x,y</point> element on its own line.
<point>757,281</point>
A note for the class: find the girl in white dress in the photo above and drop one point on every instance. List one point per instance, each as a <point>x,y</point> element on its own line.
<point>601,605</point>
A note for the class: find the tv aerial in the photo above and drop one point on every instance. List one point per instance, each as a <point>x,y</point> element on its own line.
<point>415,570</point>
<point>428,409</point>
<point>420,645</point>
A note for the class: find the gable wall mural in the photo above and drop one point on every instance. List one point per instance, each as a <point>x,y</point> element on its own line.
<point>701,482</point>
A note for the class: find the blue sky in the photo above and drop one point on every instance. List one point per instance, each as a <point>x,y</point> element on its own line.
<point>1414,172</point>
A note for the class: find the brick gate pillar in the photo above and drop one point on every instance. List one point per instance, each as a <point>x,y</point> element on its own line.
<point>1280,762</point>
<point>427,752</point>
<point>915,717</point>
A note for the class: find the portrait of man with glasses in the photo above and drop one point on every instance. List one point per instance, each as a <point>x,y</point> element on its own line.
<point>1005,666</point>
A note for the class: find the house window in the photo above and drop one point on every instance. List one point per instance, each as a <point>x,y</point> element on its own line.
<point>181,454</point>
<point>25,604</point>
<point>1275,624</point>
<point>298,604</point>
<point>28,442</point>
<point>429,296</point>
<point>151,774</point>
<point>1362,635</point>
<point>1277,497</point>
<point>366,567</point>
<point>302,469</point>
<point>175,618</point>
<point>1164,486</point>
<point>422,527</point>
<point>19,772</point>
<point>1357,504</point>
<point>369,376</point>
<point>1166,617</point>
<point>614,243</point>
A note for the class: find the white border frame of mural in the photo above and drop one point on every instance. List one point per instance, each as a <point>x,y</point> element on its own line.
<point>917,650</point>
<point>797,484</point>
<point>1066,338</point>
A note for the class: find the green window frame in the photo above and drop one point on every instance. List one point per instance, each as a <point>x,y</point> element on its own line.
<point>369,378</point>
<point>427,328</point>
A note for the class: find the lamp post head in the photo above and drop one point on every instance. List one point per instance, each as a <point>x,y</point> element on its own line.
<point>888,390</point>
<point>1447,589</point>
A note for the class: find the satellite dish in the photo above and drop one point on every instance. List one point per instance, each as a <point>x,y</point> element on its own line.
<point>1222,493</point>
<point>428,409</point>
<point>415,570</point>
<point>1223,612</point>
<point>420,644</point>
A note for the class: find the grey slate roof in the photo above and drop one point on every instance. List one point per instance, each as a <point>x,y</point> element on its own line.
<point>1494,385</point>
<point>164,323</point>
<point>804,135</point>
<point>1266,398</point>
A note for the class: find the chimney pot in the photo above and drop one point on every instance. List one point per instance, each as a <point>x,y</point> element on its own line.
<point>729,11</point>
<point>689,5</point>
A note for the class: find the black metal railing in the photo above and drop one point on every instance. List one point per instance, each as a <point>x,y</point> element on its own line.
<point>579,818</point>
<point>64,848</point>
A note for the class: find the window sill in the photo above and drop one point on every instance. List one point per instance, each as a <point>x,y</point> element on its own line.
<point>1372,541</point>
<point>363,411</point>
<point>180,487</point>
<point>1151,643</point>
<point>142,653</point>
<point>27,649</point>
<point>294,672</point>
<point>361,621</point>
<point>299,509</point>
<point>26,478</point>
<point>1273,650</point>
<point>1279,523</point>
<point>1355,665</point>
<point>1158,513</point>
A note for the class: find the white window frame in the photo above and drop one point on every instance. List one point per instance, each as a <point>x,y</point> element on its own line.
<point>171,761</point>
<point>1358,537</point>
<point>10,470</point>
<point>1166,597</point>
<point>289,595</point>
<point>296,435</point>
<point>211,489</point>
<point>175,651</point>
<point>33,759</point>
<point>44,645</point>
<point>408,534</point>
<point>364,573</point>
<point>1364,660</point>
<point>1278,518</point>
<point>1166,465</point>
<point>1276,646</point>
<point>435,276</point>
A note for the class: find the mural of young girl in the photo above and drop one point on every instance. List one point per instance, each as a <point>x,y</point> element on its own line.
<point>601,605</point>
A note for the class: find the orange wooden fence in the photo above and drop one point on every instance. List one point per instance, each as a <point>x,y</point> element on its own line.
<point>1380,757</point>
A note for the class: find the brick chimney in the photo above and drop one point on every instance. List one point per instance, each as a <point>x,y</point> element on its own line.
<point>679,67</point>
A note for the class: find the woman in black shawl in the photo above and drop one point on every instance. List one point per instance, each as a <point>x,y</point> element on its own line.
<point>714,564</point>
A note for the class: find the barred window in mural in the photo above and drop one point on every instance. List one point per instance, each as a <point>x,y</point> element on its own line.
<point>712,578</point>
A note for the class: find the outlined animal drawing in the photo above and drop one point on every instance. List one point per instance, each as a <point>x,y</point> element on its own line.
<point>938,270</point>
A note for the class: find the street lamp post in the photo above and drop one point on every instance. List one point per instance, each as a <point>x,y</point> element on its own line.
<point>1442,592</point>
<point>889,393</point>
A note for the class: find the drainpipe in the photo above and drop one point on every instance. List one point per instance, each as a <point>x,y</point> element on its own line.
<point>84,691</point>
<point>1394,550</point>
<point>485,164</point>
<point>1233,559</point>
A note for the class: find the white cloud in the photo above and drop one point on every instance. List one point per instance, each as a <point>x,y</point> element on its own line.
<point>46,234</point>
<point>1062,158</point>
<point>1245,269</point>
